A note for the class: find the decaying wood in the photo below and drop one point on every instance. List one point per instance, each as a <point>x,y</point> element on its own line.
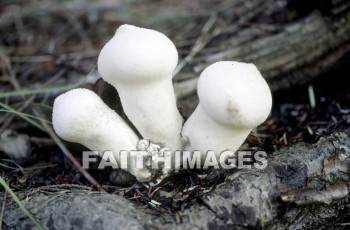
<point>287,46</point>
<point>289,53</point>
<point>260,198</point>
<point>304,186</point>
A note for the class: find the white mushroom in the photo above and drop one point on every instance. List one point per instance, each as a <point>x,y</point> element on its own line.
<point>139,63</point>
<point>233,99</point>
<point>81,116</point>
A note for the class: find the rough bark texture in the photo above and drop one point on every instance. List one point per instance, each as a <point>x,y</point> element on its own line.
<point>287,53</point>
<point>304,186</point>
<point>291,41</point>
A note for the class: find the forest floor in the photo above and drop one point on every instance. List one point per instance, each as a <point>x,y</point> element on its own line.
<point>48,48</point>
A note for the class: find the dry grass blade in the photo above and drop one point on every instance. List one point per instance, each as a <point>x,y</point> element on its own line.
<point>200,43</point>
<point>25,92</point>
<point>37,112</point>
<point>9,167</point>
<point>27,117</point>
<point>21,206</point>
<point>29,101</point>
<point>68,153</point>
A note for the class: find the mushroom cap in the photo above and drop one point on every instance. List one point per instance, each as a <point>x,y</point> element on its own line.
<point>234,94</point>
<point>80,115</point>
<point>74,112</point>
<point>137,55</point>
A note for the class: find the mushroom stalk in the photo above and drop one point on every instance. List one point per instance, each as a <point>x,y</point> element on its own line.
<point>139,63</point>
<point>155,122</point>
<point>201,132</point>
<point>233,99</point>
<point>81,116</point>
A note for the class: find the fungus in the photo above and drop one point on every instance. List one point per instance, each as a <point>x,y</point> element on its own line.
<point>139,63</point>
<point>233,99</point>
<point>81,116</point>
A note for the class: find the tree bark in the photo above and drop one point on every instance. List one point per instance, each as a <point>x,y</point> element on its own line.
<point>287,53</point>
<point>304,186</point>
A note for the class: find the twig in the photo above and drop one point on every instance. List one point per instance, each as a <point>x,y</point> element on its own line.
<point>68,154</point>
<point>56,186</point>
<point>79,30</point>
<point>14,162</point>
<point>38,112</point>
<point>9,117</point>
<point>41,140</point>
<point>203,39</point>
<point>62,57</point>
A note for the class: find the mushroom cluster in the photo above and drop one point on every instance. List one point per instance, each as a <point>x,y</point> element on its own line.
<point>233,99</point>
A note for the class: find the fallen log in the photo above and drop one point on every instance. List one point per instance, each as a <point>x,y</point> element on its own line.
<point>304,186</point>
<point>292,52</point>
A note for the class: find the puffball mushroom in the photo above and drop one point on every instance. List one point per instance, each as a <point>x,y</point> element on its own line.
<point>139,63</point>
<point>81,116</point>
<point>233,99</point>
